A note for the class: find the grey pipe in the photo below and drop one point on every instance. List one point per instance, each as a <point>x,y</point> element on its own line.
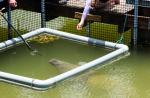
<point>45,84</point>
<point>135,34</point>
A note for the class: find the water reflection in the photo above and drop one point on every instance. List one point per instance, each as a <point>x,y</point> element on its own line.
<point>28,93</point>
<point>119,81</point>
<point>74,88</point>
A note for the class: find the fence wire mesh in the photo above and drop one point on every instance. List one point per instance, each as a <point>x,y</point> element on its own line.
<point>3,29</point>
<point>60,15</point>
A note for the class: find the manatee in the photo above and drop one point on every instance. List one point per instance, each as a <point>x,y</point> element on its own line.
<point>62,66</point>
<point>74,87</point>
<point>91,78</point>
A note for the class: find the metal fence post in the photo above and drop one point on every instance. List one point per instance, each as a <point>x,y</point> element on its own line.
<point>135,34</point>
<point>43,22</point>
<point>10,35</point>
<point>88,29</point>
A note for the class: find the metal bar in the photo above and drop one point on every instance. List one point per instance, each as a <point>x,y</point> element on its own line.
<point>9,20</point>
<point>135,34</point>
<point>43,22</point>
<point>88,29</point>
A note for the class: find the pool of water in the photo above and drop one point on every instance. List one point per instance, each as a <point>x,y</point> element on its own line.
<point>126,78</point>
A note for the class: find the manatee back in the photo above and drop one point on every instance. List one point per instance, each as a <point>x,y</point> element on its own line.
<point>62,66</point>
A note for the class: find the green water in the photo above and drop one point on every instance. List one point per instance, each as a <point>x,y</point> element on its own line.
<point>126,78</point>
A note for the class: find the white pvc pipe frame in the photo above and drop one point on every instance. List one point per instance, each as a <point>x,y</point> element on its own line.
<point>45,84</point>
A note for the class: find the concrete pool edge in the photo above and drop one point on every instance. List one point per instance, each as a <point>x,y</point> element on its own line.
<point>45,84</point>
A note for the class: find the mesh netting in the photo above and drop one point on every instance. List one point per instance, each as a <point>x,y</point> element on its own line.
<point>25,21</point>
<point>3,29</point>
<point>60,15</point>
